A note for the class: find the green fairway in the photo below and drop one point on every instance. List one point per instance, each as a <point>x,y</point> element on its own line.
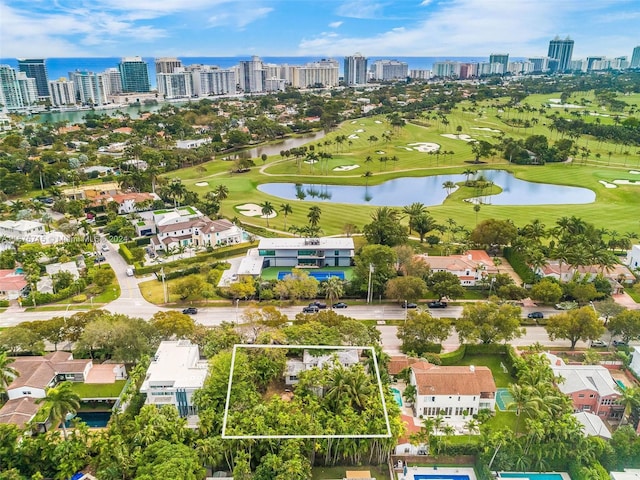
<point>373,146</point>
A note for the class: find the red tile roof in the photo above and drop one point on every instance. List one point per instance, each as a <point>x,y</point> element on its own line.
<point>439,380</point>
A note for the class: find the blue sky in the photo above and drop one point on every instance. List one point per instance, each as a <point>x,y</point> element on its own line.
<point>84,28</point>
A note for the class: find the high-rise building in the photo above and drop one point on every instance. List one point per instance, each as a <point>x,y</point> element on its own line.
<point>111,81</point>
<point>252,75</point>
<point>446,69</point>
<point>134,73</point>
<point>420,74</point>
<point>211,80</point>
<point>502,58</point>
<point>355,70</point>
<point>323,73</point>
<point>89,87</point>
<point>561,50</point>
<point>175,85</point>
<point>540,64</point>
<point>167,64</point>
<point>63,92</point>
<point>386,70</point>
<point>37,69</point>
<point>28,89</point>
<point>10,96</point>
<point>635,58</point>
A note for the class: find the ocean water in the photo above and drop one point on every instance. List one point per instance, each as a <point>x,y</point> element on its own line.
<point>60,67</point>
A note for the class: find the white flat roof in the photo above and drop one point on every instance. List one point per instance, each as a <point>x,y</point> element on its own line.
<point>250,265</point>
<point>628,474</point>
<point>176,363</point>
<point>326,243</point>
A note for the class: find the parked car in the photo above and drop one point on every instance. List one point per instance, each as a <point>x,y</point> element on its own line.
<point>320,305</point>
<point>598,344</point>
<point>190,311</point>
<point>536,315</point>
<point>340,305</point>
<point>619,343</point>
<point>99,259</point>
<point>129,272</point>
<point>409,305</point>
<point>437,304</point>
<point>310,309</point>
<point>105,247</point>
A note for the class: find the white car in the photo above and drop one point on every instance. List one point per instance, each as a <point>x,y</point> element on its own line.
<point>105,247</point>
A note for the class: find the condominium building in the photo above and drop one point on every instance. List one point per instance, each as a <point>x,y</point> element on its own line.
<point>211,80</point>
<point>167,64</point>
<point>36,68</point>
<point>420,74</point>
<point>252,75</point>
<point>323,73</point>
<point>63,92</point>
<point>175,85</point>
<point>274,84</point>
<point>355,70</point>
<point>28,89</point>
<point>10,95</point>
<point>520,68</point>
<point>446,69</point>
<point>111,81</point>
<point>540,64</point>
<point>502,58</point>
<point>135,75</point>
<point>468,70</point>
<point>561,50</point>
<point>386,70</point>
<point>89,87</point>
<point>635,58</point>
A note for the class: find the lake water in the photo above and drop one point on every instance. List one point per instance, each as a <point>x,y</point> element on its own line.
<point>429,191</point>
<point>277,147</point>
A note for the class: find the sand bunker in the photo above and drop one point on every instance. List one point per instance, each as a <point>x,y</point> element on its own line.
<point>202,184</point>
<point>378,121</point>
<point>462,136</point>
<point>353,122</point>
<point>353,136</point>
<point>565,105</point>
<point>634,172</point>
<point>626,182</point>
<point>253,210</point>
<point>380,152</point>
<point>485,129</point>
<point>607,184</point>
<point>311,162</point>
<point>425,147</point>
<point>345,168</point>
<point>360,130</point>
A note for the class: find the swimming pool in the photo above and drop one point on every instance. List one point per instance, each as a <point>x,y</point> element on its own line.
<point>442,476</point>
<point>321,276</point>
<point>621,385</point>
<point>397,395</point>
<point>532,476</point>
<point>92,419</point>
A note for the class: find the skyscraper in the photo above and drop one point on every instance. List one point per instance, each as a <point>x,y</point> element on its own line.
<point>355,70</point>
<point>167,64</point>
<point>10,96</point>
<point>89,87</point>
<point>502,58</point>
<point>252,75</point>
<point>63,92</point>
<point>635,58</point>
<point>37,69</point>
<point>134,74</point>
<point>561,50</point>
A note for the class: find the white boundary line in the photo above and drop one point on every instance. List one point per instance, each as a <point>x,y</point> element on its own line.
<point>307,347</point>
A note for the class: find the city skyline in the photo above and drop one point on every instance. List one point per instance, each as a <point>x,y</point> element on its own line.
<point>333,28</point>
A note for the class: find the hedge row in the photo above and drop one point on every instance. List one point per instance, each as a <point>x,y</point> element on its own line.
<point>453,358</point>
<point>519,265</point>
<point>42,298</point>
<point>222,252</point>
<point>4,303</point>
<point>126,254</point>
<point>595,471</point>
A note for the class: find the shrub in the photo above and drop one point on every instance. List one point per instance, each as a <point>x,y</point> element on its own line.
<point>453,358</point>
<point>126,253</point>
<point>79,298</point>
<point>4,303</point>
<point>519,265</point>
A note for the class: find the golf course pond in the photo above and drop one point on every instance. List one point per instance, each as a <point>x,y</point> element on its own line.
<point>429,191</point>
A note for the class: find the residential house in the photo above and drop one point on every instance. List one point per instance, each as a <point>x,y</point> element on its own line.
<point>306,252</point>
<point>13,284</point>
<point>452,392</point>
<point>404,445</point>
<point>26,230</point>
<point>132,202</point>
<point>471,268</point>
<point>617,274</point>
<point>591,388</point>
<point>633,257</point>
<point>295,366</point>
<point>634,366</point>
<point>45,284</point>
<point>92,192</point>
<point>190,144</point>
<point>627,474</point>
<point>593,425</point>
<point>173,376</point>
<point>201,232</point>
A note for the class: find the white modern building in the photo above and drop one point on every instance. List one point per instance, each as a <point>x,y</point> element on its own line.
<point>10,95</point>
<point>111,81</point>
<point>633,257</point>
<point>210,80</point>
<point>387,70</point>
<point>355,70</point>
<point>89,87</point>
<point>63,92</point>
<point>635,361</point>
<point>174,374</point>
<point>453,392</point>
<point>306,252</point>
<point>175,85</point>
<point>324,72</point>
<point>252,75</point>
<point>28,89</point>
<point>446,69</point>
<point>26,230</point>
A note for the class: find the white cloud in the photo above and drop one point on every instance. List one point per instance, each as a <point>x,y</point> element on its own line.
<point>360,9</point>
<point>335,24</point>
<point>424,3</point>
<point>239,18</point>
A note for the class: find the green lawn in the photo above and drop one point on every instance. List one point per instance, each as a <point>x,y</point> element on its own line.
<point>505,419</point>
<point>153,292</point>
<point>98,390</point>
<point>493,362</point>
<point>338,473</point>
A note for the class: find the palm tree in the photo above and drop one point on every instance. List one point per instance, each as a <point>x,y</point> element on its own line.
<point>267,210</point>
<point>221,191</point>
<point>467,173</point>
<point>448,186</point>
<point>314,216</point>
<point>476,208</point>
<point>334,289</point>
<point>630,398</point>
<point>176,190</point>
<point>413,210</point>
<point>7,373</point>
<point>285,209</point>
<point>61,401</point>
<point>367,175</point>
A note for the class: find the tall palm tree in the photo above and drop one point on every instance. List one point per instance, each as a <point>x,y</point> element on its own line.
<point>285,209</point>
<point>7,372</point>
<point>267,209</point>
<point>314,215</point>
<point>448,186</point>
<point>367,175</point>
<point>467,173</point>
<point>413,210</point>
<point>61,401</point>
<point>630,398</point>
<point>176,191</point>
<point>221,191</point>
<point>334,289</point>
